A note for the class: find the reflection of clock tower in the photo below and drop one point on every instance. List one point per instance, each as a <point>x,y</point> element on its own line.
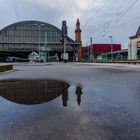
<point>78,40</point>
<point>78,93</point>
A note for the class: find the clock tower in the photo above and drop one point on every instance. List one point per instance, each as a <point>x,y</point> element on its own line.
<point>78,40</point>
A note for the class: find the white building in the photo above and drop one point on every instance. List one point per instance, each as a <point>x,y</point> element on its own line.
<point>133,46</point>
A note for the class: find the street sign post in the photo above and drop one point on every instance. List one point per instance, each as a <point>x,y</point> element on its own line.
<point>65,57</point>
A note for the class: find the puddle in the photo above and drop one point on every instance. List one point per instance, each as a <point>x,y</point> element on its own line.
<point>34,110</point>
<point>51,109</point>
<point>37,92</point>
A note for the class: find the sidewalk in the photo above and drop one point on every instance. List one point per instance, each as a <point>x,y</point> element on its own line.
<point>110,64</point>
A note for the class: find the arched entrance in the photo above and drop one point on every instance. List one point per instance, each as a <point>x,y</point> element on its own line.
<point>138,50</point>
<point>133,47</point>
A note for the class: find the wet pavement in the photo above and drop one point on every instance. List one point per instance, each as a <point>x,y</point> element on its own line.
<point>70,102</point>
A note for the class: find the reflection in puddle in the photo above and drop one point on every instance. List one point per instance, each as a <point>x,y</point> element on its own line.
<point>78,93</point>
<point>36,92</point>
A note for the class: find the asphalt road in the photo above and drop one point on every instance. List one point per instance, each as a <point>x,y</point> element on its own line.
<point>109,108</point>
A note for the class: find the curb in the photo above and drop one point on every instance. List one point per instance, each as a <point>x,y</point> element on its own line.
<point>4,68</point>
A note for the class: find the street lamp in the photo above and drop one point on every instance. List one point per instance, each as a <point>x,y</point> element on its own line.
<point>64,37</point>
<point>2,41</point>
<point>111,47</point>
<point>91,58</point>
<point>39,38</point>
<point>39,28</point>
<point>89,53</point>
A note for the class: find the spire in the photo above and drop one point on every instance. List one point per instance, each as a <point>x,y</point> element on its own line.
<point>78,24</point>
<point>138,31</point>
<point>78,32</point>
<point>78,20</point>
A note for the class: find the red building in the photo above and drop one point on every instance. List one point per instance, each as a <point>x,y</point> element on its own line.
<point>95,50</point>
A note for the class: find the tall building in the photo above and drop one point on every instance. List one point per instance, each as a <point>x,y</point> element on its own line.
<point>78,40</point>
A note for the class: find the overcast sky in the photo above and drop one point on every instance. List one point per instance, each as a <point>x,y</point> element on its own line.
<point>99,18</point>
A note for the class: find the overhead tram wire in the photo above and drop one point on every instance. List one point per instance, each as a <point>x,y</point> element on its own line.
<point>95,13</point>
<point>15,8</point>
<point>128,9</point>
<point>130,21</point>
<point>87,9</point>
<point>124,13</point>
<point>108,23</point>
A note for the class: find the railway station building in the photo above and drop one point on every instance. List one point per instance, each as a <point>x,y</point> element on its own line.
<point>21,38</point>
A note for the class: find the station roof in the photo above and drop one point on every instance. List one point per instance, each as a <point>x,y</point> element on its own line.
<point>138,31</point>
<point>137,34</point>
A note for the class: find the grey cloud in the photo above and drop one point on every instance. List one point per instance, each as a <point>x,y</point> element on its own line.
<point>99,16</point>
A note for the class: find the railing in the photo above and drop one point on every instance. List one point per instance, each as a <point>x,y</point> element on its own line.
<point>122,59</point>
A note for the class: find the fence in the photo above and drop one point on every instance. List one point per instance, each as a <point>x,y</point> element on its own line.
<point>120,59</point>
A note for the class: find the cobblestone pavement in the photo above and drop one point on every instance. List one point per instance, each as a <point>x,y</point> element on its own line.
<point>103,103</point>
